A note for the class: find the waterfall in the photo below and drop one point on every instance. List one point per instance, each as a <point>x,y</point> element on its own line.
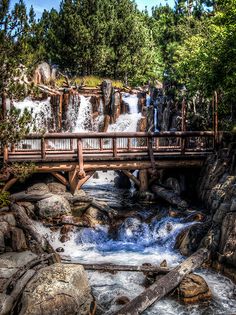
<point>127,122</point>
<point>40,111</point>
<point>84,118</point>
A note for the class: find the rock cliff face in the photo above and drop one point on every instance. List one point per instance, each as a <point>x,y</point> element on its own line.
<point>217,189</point>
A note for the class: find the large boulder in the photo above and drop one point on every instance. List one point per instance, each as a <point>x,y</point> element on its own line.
<point>53,207</point>
<point>57,290</point>
<point>93,217</point>
<point>193,289</point>
<point>39,188</point>
<point>227,247</point>
<point>56,187</point>
<point>189,239</point>
<point>42,73</point>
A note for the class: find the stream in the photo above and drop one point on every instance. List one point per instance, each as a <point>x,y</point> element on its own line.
<point>141,238</point>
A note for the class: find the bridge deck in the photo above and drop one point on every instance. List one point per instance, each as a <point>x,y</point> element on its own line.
<point>89,152</point>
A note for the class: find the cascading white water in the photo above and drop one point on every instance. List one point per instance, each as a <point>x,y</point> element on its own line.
<point>40,111</point>
<point>84,118</point>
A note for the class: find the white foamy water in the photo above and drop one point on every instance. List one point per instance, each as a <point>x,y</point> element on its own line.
<point>40,111</point>
<point>84,119</point>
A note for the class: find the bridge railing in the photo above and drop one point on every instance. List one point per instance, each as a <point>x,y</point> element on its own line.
<point>74,146</point>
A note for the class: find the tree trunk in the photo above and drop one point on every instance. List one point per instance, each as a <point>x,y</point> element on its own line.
<point>112,267</point>
<point>170,196</point>
<point>164,285</point>
<point>25,223</point>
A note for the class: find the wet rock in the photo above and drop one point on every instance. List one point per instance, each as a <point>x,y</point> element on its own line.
<point>15,260</point>
<point>193,289</point>
<point>223,209</point>
<point>80,193</point>
<point>9,218</point>
<point>2,243</point>
<point>94,217</point>
<point>233,205</point>
<point>64,238</point>
<point>28,206</point>
<point>18,241</point>
<point>122,300</point>
<point>190,238</point>
<point>57,290</point>
<point>198,217</point>
<point>39,188</point>
<point>53,207</point>
<point>56,187</point>
<point>163,264</point>
<point>66,229</point>
<point>60,250</point>
<point>227,247</point>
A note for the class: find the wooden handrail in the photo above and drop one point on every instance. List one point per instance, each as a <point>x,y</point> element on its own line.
<point>90,135</point>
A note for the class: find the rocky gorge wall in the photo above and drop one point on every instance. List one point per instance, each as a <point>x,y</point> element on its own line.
<point>217,190</point>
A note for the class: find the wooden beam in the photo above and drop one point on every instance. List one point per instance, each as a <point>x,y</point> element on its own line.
<point>143,177</point>
<point>132,177</point>
<point>84,180</point>
<point>73,180</point>
<point>9,184</point>
<point>164,285</point>
<point>61,178</point>
<point>80,158</point>
<point>114,146</point>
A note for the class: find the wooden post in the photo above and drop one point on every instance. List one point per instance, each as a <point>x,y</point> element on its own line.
<point>80,157</point>
<point>114,145</point>
<point>132,177</point>
<point>143,178</point>
<point>129,144</point>
<point>43,149</point>
<point>60,111</point>
<point>5,154</point>
<point>183,127</point>
<point>101,144</point>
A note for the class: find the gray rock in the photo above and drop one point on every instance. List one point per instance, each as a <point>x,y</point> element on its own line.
<point>57,290</point>
<point>53,207</point>
<point>221,212</point>
<point>9,218</point>
<point>56,187</point>
<point>40,188</point>
<point>227,248</point>
<point>16,260</point>
<point>233,205</point>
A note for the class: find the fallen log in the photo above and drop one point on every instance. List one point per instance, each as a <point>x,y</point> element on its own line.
<point>22,196</point>
<point>59,224</point>
<point>21,271</point>
<point>164,285</point>
<point>25,223</point>
<point>170,196</point>
<point>112,267</point>
<point>11,300</point>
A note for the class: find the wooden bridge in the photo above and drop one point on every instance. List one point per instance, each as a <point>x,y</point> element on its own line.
<point>74,157</point>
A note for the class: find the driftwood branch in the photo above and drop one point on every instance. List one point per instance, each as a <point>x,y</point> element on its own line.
<point>21,271</point>
<point>112,267</point>
<point>10,301</point>
<point>170,196</point>
<point>164,285</point>
<point>29,227</point>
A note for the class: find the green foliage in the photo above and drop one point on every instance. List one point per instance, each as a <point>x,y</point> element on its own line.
<point>15,126</point>
<point>4,199</point>
<point>21,171</point>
